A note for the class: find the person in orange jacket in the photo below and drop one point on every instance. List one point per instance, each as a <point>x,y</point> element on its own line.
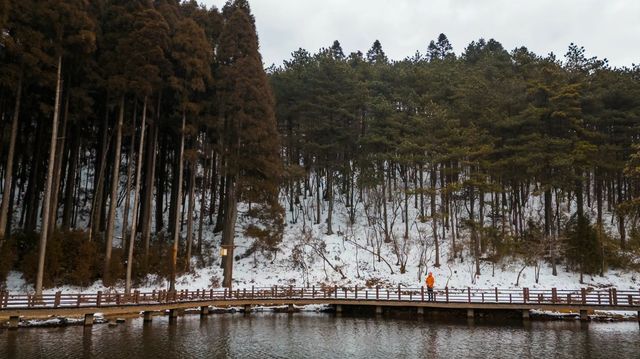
<point>430,283</point>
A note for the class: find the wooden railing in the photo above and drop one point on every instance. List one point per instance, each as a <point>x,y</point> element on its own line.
<point>581,297</point>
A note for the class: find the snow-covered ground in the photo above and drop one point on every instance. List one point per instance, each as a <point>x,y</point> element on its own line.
<point>347,259</point>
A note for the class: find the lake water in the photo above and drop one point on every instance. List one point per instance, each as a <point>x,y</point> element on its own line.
<point>322,335</point>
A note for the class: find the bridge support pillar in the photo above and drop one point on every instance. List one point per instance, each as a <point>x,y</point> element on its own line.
<point>173,314</point>
<point>339,309</point>
<point>88,319</point>
<point>148,317</point>
<point>378,310</point>
<point>204,310</point>
<point>14,322</point>
<point>584,316</point>
<point>470,314</point>
<point>420,311</point>
<point>526,314</point>
<point>247,309</point>
<point>290,308</point>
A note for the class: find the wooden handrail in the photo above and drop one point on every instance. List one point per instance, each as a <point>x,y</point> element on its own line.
<point>574,297</point>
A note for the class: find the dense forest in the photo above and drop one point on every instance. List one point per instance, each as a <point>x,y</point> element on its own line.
<point>503,153</point>
<point>120,111</point>
<point>133,130</point>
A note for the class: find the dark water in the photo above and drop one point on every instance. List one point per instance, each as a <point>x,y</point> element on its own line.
<point>311,335</point>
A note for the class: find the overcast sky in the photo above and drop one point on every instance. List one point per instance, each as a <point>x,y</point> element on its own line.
<point>606,28</point>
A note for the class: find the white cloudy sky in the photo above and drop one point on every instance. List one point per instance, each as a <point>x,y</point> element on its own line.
<point>606,28</point>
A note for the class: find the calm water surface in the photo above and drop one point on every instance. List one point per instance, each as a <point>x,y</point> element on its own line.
<point>318,335</point>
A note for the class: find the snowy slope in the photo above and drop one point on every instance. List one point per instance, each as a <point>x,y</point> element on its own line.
<point>349,252</point>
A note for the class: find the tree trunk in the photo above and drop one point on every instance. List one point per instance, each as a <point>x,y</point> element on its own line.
<point>228,232</point>
<point>47,191</point>
<point>8,174</point>
<point>100,168</point>
<point>148,194</point>
<point>192,184</point>
<point>330,198</point>
<point>55,190</point>
<point>203,200</point>
<point>127,187</point>
<point>434,217</point>
<point>134,219</point>
<point>113,199</point>
<point>70,185</point>
<point>176,227</point>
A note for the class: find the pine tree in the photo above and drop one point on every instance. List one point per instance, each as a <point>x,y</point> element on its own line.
<point>376,54</point>
<point>251,140</point>
<point>441,49</point>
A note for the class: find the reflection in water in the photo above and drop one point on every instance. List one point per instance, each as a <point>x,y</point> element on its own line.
<point>314,335</point>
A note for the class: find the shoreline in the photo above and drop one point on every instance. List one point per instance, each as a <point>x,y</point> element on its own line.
<point>114,320</point>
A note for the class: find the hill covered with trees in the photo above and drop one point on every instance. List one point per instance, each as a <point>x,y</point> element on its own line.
<point>142,137</point>
<point>499,153</point>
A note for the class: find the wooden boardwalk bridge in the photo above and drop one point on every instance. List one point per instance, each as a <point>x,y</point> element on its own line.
<point>471,300</point>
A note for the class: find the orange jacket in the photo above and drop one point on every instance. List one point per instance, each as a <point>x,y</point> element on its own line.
<point>430,281</point>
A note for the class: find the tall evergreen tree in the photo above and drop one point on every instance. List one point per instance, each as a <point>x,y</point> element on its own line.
<point>251,140</point>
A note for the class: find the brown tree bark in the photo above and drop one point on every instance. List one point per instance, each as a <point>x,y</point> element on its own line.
<point>47,191</point>
<point>176,227</point>
<point>134,219</point>
<point>113,199</point>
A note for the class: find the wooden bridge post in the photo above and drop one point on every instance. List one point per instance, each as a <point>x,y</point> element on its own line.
<point>524,295</point>
<point>56,300</point>
<point>335,291</point>
<point>377,292</point>
<point>313,292</point>
<point>147,317</point>
<point>356,289</point>
<point>253,292</point>
<point>615,296</point>
<point>497,295</point>
<point>584,316</point>
<point>583,292</point>
<point>14,322</point>
<point>422,293</point>
<point>88,319</point>
<point>470,314</point>
<point>469,294</point>
<point>399,292</point>
<point>554,295</point>
<point>446,293</point>
<point>78,300</point>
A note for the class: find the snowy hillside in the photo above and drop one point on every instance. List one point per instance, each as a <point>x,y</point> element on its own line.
<point>311,257</point>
